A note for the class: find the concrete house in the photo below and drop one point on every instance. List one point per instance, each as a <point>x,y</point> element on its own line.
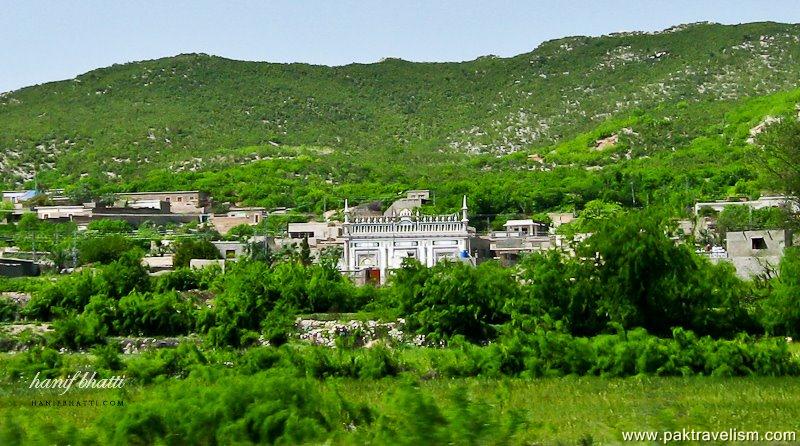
<point>413,200</point>
<point>519,236</point>
<point>755,252</point>
<point>181,202</point>
<point>760,203</point>
<point>251,216</point>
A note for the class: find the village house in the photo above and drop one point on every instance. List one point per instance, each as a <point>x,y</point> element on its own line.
<point>62,212</point>
<point>236,216</point>
<point>518,237</point>
<point>760,203</point>
<point>755,253</point>
<point>230,250</point>
<point>414,199</point>
<point>134,208</point>
<point>560,218</point>
<point>13,267</point>
<point>320,235</point>
<point>17,198</point>
<point>374,246</point>
<point>181,202</point>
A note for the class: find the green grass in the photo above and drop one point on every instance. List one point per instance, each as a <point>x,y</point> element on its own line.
<point>565,410</point>
<point>569,409</point>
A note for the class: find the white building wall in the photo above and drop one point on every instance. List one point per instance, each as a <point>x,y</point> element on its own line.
<point>384,242</point>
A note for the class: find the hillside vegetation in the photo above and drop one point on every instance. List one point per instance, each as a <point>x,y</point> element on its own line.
<point>636,118</point>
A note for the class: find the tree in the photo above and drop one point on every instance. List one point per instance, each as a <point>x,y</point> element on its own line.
<point>454,298</point>
<point>241,232</point>
<point>259,251</point>
<point>647,280</point>
<point>108,226</point>
<point>593,215</point>
<point>103,249</point>
<point>782,308</point>
<point>560,288</point>
<point>780,146</point>
<point>305,252</point>
<point>194,249</point>
<point>745,218</point>
<point>330,256</point>
<point>6,208</point>
<point>125,275</point>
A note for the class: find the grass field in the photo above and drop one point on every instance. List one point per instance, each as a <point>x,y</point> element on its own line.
<point>571,409</point>
<point>552,411</point>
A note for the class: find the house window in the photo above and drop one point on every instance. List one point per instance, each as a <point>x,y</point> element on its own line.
<point>759,243</point>
<point>230,254</point>
<point>166,199</point>
<point>180,199</point>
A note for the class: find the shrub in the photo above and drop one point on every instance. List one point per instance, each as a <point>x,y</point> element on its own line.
<point>124,275</point>
<point>782,308</point>
<point>194,249</point>
<point>103,249</point>
<point>108,226</point>
<point>78,331</point>
<point>107,357</point>
<point>70,293</point>
<point>266,408</point>
<point>154,314</point>
<point>8,309</point>
<point>454,298</point>
<point>44,360</point>
<point>182,279</point>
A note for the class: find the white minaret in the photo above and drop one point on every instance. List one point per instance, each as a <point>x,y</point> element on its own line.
<point>464,210</point>
<point>346,212</point>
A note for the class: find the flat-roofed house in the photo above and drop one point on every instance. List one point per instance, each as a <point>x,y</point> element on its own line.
<point>17,198</point>
<point>321,235</point>
<point>186,202</point>
<point>236,217</point>
<point>519,236</point>
<point>756,252</point>
<point>62,212</point>
<point>760,203</point>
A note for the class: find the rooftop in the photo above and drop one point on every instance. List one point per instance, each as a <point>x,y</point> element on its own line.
<point>526,222</point>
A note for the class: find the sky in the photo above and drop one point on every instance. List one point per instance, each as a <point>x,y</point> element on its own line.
<point>42,41</point>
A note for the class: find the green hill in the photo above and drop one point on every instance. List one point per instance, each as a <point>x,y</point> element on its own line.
<point>518,134</point>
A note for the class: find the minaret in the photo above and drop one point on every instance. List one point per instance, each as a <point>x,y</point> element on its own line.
<point>464,210</point>
<point>346,212</point>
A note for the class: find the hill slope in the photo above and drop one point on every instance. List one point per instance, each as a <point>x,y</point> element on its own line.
<point>298,135</point>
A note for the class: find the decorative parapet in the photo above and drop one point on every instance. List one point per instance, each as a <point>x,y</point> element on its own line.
<point>417,224</point>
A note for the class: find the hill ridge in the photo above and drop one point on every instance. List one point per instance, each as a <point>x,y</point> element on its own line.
<point>116,127</point>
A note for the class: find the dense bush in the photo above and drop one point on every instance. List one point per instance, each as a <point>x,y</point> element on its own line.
<point>251,290</point>
<point>152,314</point>
<point>643,279</point>
<point>629,272</point>
<point>124,275</point>
<point>69,293</point>
<point>185,279</point>
<point>103,249</point>
<point>8,309</point>
<point>187,250</point>
<point>267,408</point>
<point>453,298</point>
<point>782,308</point>
<point>77,331</point>
<point>107,226</point>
